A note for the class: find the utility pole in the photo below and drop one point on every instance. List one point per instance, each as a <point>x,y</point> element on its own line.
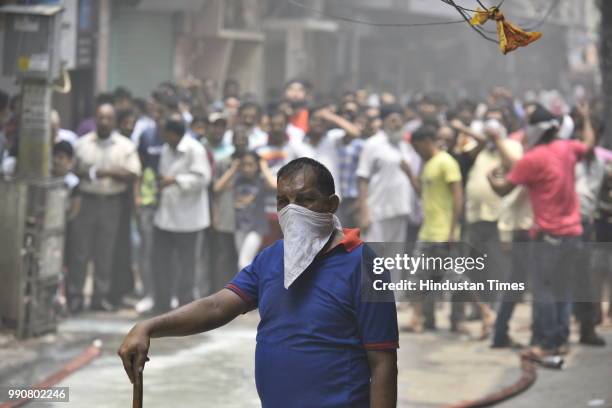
<point>32,205</point>
<point>35,137</point>
<point>32,47</point>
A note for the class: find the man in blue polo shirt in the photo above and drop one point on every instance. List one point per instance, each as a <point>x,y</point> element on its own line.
<point>318,344</point>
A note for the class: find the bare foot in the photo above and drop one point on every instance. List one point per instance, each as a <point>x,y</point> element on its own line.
<point>536,353</point>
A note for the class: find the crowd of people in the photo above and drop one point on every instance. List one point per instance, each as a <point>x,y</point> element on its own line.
<point>173,195</point>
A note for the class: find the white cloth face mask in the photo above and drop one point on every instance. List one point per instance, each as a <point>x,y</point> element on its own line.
<point>305,234</point>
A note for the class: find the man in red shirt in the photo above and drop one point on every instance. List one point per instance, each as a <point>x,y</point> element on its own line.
<point>547,170</point>
<point>297,93</point>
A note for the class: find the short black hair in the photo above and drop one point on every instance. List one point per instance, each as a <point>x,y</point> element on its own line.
<point>540,114</point>
<point>251,153</point>
<point>432,123</point>
<point>307,85</point>
<point>424,133</point>
<point>141,104</point>
<point>276,111</point>
<point>466,104</point>
<point>175,126</point>
<point>199,119</point>
<point>121,93</point>
<point>250,105</point>
<point>168,87</point>
<point>435,98</point>
<point>325,180</point>
<point>388,110</point>
<point>124,114</point>
<point>168,100</point>
<point>63,147</point>
<point>104,99</point>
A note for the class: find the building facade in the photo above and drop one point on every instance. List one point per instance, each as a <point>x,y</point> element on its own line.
<point>263,43</point>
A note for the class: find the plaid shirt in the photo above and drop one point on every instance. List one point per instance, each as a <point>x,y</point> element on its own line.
<point>349,159</point>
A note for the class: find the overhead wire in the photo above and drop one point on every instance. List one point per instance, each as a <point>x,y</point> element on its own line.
<point>463,12</point>
<point>452,3</point>
<point>553,5</point>
<point>467,19</point>
<point>540,22</point>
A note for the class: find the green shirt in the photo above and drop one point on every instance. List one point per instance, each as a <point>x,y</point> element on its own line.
<point>148,188</point>
<point>437,197</point>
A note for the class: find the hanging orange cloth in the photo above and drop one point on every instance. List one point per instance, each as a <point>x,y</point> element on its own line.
<point>510,36</point>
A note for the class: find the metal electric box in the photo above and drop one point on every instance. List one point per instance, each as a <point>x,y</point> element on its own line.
<point>32,41</point>
<point>32,224</point>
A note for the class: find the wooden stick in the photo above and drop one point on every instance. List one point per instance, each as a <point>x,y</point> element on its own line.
<point>137,392</point>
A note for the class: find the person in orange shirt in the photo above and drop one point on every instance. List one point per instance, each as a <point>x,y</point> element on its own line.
<point>297,93</point>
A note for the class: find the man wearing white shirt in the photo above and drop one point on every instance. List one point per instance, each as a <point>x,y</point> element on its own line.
<point>295,133</point>
<point>149,118</point>
<point>387,200</point>
<point>249,115</point>
<point>107,164</point>
<point>183,211</point>
<point>323,144</point>
<point>57,133</point>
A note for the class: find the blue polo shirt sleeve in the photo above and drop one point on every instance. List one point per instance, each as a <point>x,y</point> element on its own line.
<point>377,320</point>
<point>246,283</point>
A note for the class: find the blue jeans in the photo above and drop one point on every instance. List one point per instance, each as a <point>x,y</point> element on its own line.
<point>518,273</point>
<point>554,260</point>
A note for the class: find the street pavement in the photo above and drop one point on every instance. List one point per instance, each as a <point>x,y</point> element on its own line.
<point>216,369</point>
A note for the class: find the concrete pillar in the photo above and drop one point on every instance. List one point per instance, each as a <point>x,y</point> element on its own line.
<point>104,20</point>
<point>355,59</point>
<point>34,161</point>
<point>296,56</point>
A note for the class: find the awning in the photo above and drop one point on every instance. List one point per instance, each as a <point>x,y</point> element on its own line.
<point>308,24</point>
<point>39,10</point>
<point>170,6</point>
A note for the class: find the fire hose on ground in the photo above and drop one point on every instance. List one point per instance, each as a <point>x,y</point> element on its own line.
<point>526,380</point>
<point>91,353</point>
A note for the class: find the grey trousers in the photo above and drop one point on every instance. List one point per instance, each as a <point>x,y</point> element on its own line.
<point>389,230</point>
<point>92,236</point>
<point>145,229</point>
<point>348,213</point>
<point>218,260</point>
<point>483,238</point>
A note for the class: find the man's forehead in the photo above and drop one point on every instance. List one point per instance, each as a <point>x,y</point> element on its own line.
<point>106,108</point>
<point>301,179</point>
